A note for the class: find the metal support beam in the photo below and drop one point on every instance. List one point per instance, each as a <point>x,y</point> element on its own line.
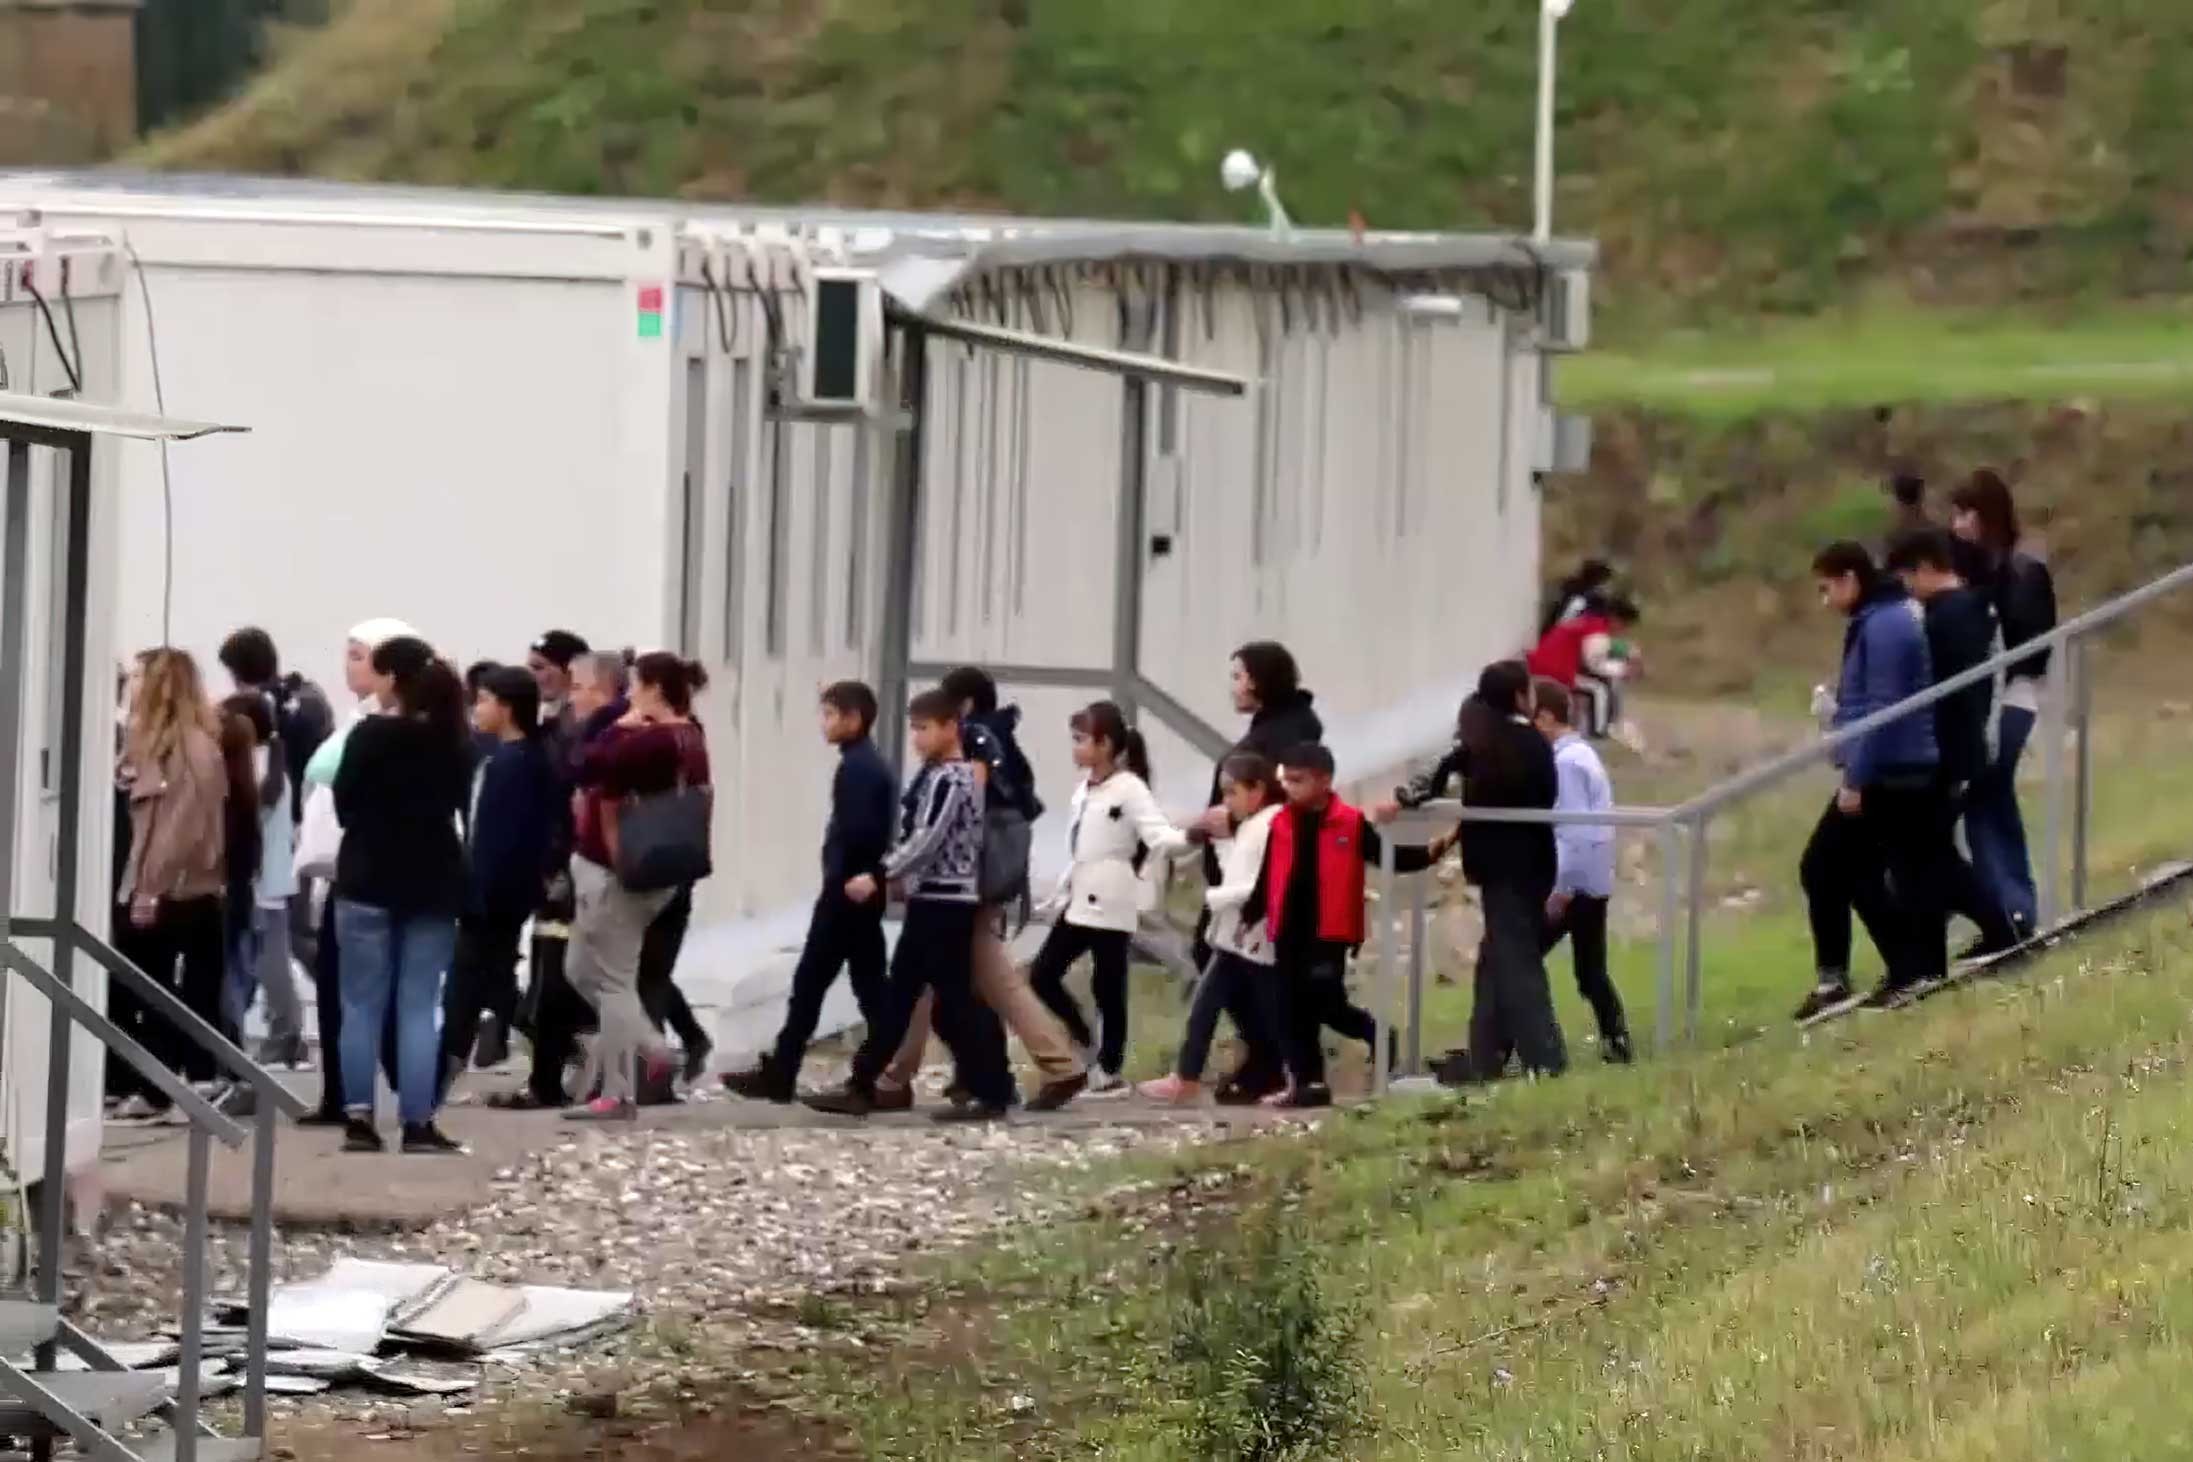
<point>2055,697</point>
<point>1694,953</point>
<point>61,1032</point>
<point>904,517</point>
<point>2082,787</point>
<point>1418,959</point>
<point>190,1381</point>
<point>14,618</point>
<point>261,1278</point>
<point>1671,861</point>
<point>1134,471</point>
<point>1382,1000</point>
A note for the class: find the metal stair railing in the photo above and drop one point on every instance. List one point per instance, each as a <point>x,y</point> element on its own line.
<point>69,428</point>
<point>1682,831</point>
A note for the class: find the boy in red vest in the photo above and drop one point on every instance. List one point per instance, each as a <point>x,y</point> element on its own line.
<point>1311,899</point>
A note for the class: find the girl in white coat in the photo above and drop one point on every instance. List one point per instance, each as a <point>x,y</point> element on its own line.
<point>1098,898</point>
<point>1238,980</point>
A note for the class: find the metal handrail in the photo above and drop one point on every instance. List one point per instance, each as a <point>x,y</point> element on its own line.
<point>201,1112</point>
<point>1688,820</point>
<point>171,1006</point>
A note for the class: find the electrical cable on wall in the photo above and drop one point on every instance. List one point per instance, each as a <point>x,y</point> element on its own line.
<point>53,331</point>
<point>167,482</point>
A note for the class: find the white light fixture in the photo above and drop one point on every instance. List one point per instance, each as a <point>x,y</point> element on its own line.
<point>1241,171</point>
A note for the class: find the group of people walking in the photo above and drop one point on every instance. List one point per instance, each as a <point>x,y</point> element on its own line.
<point>1286,860</point>
<point>1937,604</point>
<point>438,821</point>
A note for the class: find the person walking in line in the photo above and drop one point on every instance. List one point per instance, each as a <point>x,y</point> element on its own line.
<point>840,934</point>
<point>990,741</point>
<point>510,819</point>
<point>1583,880</point>
<point>654,748</point>
<point>1266,686</point>
<point>1960,634</point>
<point>1583,592</point>
<point>1309,899</point>
<point>1587,655</point>
<point>549,662</point>
<point>170,923</point>
<point>261,880</point>
<point>2017,582</point>
<point>1871,851</point>
<point>399,883</point>
<point>1239,980</point>
<point>937,858</point>
<point>302,720</point>
<point>1098,899</point>
<point>318,854</point>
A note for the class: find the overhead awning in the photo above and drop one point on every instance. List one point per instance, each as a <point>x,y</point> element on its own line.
<point>43,418</point>
<point>1155,368</point>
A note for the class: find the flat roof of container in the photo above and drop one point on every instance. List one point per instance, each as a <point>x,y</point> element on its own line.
<point>872,234</point>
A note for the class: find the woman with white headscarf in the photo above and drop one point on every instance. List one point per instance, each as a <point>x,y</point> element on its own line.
<point>319,839</point>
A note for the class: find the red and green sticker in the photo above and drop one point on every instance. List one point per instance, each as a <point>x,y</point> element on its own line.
<point>650,312</point>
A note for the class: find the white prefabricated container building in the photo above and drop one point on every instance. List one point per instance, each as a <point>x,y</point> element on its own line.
<point>60,330</point>
<point>492,415</point>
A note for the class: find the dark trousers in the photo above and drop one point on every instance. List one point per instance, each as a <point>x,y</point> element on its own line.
<point>936,952</point>
<point>1964,890</point>
<point>560,1016</point>
<point>1236,988</point>
<point>327,995</point>
<point>1512,1009</point>
<point>1884,864</point>
<point>483,975</point>
<point>185,949</point>
<point>1584,925</point>
<point>660,996</point>
<point>1107,950</point>
<point>840,935</point>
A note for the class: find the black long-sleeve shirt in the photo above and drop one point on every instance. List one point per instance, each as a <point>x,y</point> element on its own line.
<point>1300,899</point>
<point>1521,775</point>
<point>863,798</point>
<point>1960,633</point>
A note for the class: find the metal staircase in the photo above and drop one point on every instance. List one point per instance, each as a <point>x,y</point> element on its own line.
<point>58,1386</point>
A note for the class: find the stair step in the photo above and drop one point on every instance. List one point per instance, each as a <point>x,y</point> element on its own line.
<point>210,1449</point>
<point>26,1325</point>
<point>110,1398</point>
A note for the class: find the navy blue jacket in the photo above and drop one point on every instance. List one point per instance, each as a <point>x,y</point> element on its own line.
<point>1885,660</point>
<point>516,811</point>
<point>992,739</point>
<point>863,802</point>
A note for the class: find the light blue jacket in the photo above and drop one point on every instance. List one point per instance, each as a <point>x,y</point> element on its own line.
<point>1885,660</point>
<point>1584,854</point>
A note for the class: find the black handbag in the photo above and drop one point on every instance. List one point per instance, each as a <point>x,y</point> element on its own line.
<point>661,840</point>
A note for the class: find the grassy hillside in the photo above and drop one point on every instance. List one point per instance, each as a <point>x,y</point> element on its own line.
<point>1745,155</point>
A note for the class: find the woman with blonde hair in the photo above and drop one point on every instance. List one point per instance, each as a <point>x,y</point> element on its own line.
<point>170,921</point>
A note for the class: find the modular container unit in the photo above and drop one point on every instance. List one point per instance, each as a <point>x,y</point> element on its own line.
<point>491,415</point>
<point>60,329</point>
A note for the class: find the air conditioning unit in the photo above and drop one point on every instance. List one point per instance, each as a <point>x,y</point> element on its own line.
<point>838,370</point>
<point>1564,442</point>
<point>1564,312</point>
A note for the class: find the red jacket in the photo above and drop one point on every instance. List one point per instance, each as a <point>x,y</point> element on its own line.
<point>1560,655</point>
<point>1339,873</point>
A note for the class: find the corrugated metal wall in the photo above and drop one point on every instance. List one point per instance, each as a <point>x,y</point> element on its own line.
<point>1371,505</point>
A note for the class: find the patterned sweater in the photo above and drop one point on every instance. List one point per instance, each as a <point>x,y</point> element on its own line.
<point>938,855</point>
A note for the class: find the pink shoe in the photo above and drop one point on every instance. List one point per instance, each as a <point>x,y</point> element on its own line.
<point>603,1109</point>
<point>1171,1091</point>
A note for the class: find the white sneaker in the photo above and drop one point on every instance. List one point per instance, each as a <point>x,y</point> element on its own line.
<point>135,1109</point>
<point>1106,1083</point>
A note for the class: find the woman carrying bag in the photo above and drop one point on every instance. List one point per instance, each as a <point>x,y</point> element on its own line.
<point>642,812</point>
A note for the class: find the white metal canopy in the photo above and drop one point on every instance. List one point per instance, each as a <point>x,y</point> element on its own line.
<point>45,414</point>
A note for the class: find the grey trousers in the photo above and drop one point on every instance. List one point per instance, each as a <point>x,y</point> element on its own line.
<point>602,963</point>
<point>278,981</point>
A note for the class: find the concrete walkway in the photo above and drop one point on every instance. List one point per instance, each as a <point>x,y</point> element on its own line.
<point>320,1186</point>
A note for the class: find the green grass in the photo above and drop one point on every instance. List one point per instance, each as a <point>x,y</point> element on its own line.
<point>1908,357</point>
<point>1959,1231</point>
<point>1731,158</point>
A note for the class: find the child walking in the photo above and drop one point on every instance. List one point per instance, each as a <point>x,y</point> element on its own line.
<point>512,818</point>
<point>1583,880</point>
<point>1238,979</point>
<point>1097,902</point>
<point>841,934</point>
<point>1310,899</point>
<point>938,859</point>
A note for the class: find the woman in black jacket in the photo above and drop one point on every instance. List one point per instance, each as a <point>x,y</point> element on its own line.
<point>2024,595</point>
<point>399,883</point>
<point>1267,688</point>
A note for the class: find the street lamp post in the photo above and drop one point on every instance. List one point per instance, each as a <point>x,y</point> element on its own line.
<point>1550,15</point>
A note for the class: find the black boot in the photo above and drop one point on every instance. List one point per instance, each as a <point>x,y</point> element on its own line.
<point>765,1081</point>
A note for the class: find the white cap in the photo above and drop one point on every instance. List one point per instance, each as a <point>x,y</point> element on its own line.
<point>374,633</point>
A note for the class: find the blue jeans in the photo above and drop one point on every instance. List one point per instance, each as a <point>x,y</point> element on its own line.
<point>1996,831</point>
<point>397,958</point>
